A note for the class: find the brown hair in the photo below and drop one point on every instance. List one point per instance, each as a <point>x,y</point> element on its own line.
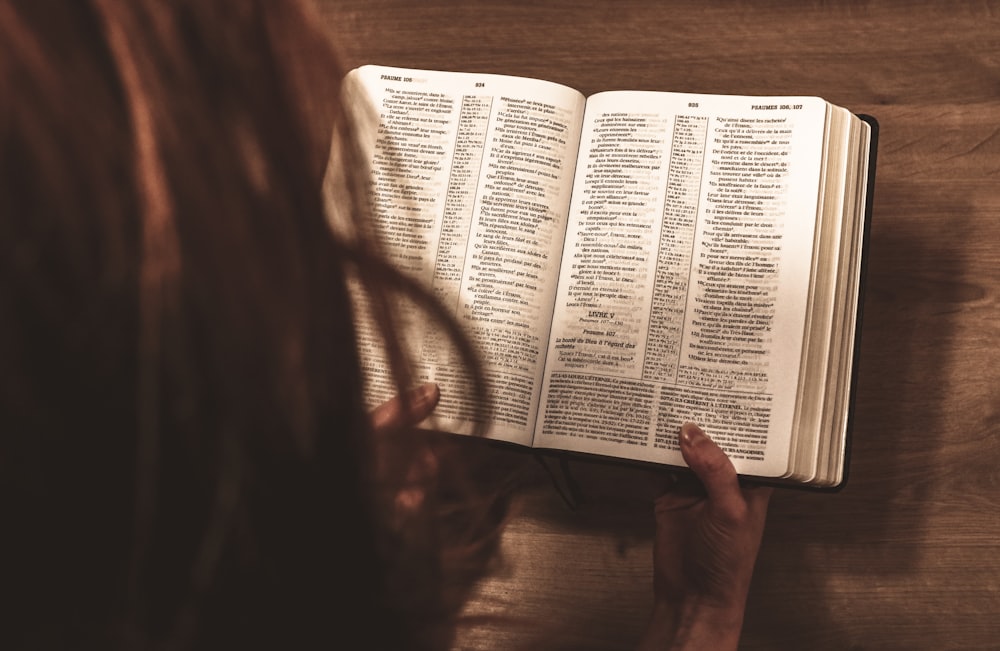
<point>185,459</point>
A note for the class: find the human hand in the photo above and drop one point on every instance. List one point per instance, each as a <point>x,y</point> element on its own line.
<point>405,410</point>
<point>706,543</point>
<point>406,465</point>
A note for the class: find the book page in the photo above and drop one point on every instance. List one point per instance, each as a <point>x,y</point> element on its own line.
<point>685,278</point>
<point>471,177</point>
<point>819,378</point>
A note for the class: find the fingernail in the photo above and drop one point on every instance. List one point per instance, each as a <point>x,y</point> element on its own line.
<point>425,394</point>
<point>691,435</point>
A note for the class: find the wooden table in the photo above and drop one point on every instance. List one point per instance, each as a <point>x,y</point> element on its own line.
<point>907,556</point>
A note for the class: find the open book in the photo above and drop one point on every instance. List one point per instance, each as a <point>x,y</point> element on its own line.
<point>631,260</point>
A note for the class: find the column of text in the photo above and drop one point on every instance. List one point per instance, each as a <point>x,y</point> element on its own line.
<point>516,242</point>
<point>608,281</point>
<point>673,264</point>
<point>737,266</point>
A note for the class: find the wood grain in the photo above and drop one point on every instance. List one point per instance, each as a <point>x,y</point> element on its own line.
<point>907,556</point>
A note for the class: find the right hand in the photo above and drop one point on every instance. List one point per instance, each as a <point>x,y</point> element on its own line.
<point>706,544</point>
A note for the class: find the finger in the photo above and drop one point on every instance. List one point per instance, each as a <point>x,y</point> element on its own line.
<point>757,499</point>
<point>406,410</point>
<point>684,484</point>
<point>711,465</point>
<point>669,502</point>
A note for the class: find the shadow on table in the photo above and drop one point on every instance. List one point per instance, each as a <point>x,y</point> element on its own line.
<point>819,548</point>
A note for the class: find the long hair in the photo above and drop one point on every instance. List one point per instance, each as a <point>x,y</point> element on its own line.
<point>186,460</point>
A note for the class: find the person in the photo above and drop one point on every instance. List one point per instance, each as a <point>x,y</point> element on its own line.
<point>187,460</point>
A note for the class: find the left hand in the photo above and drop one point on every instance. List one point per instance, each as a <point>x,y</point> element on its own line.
<point>405,410</point>
<point>408,464</point>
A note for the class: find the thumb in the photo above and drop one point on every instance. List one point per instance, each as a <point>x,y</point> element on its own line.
<point>406,410</point>
<point>711,465</point>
